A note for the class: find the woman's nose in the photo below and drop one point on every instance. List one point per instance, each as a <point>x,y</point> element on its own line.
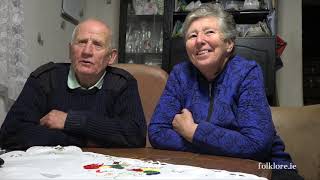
<point>200,38</point>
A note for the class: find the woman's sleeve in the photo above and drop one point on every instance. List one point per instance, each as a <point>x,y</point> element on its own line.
<point>160,131</point>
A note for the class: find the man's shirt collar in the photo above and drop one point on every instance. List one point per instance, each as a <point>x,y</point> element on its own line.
<point>74,84</point>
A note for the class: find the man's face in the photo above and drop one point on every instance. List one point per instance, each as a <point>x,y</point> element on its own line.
<point>90,53</point>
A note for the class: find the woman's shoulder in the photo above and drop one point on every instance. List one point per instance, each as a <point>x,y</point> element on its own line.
<point>185,71</point>
<point>242,61</point>
<point>239,64</point>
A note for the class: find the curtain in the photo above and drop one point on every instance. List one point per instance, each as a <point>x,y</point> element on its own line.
<point>13,61</point>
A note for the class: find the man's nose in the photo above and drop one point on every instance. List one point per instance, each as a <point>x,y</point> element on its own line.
<point>88,48</point>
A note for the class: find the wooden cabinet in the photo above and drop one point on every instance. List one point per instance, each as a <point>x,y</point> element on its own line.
<point>311,57</point>
<point>311,81</point>
<point>261,50</point>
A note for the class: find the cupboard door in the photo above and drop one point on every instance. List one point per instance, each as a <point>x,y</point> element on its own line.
<point>141,32</point>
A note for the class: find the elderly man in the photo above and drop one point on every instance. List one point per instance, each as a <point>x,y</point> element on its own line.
<point>85,103</point>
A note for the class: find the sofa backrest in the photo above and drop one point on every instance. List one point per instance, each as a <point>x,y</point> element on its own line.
<point>151,82</point>
<point>299,128</point>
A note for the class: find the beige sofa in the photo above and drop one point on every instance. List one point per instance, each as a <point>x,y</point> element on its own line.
<point>299,128</point>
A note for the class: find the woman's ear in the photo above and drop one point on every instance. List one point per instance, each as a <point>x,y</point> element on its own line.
<point>230,45</point>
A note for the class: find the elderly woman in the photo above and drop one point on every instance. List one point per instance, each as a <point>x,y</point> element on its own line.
<point>216,103</point>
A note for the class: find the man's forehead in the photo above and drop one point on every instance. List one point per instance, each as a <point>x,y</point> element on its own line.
<point>92,35</point>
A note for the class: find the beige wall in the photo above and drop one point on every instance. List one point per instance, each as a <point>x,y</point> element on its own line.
<point>109,13</point>
<point>43,16</point>
<point>2,110</point>
<point>289,77</point>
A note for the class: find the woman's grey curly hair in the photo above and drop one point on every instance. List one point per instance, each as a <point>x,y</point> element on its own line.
<point>225,19</point>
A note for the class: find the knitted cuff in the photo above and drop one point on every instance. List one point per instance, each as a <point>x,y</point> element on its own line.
<point>75,122</point>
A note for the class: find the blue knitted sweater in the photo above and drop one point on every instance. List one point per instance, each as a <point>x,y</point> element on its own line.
<point>232,113</point>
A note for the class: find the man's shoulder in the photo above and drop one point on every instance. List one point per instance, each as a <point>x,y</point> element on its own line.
<point>121,73</point>
<point>117,78</point>
<point>49,67</point>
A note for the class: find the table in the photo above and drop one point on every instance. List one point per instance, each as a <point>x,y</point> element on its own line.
<point>187,158</point>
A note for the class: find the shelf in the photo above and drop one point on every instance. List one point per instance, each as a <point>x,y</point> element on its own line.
<point>241,17</point>
<point>145,17</point>
<point>310,101</point>
<point>144,54</point>
<point>311,92</point>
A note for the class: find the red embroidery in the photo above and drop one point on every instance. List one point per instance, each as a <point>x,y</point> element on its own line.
<point>138,170</point>
<point>92,166</point>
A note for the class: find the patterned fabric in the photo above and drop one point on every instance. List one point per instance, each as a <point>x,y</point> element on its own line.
<point>240,124</point>
<point>69,162</point>
<point>13,64</point>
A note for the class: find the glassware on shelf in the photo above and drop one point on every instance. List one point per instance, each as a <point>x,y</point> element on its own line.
<point>150,8</point>
<point>251,4</point>
<point>234,5</point>
<point>160,6</point>
<point>138,6</point>
<point>130,10</point>
<point>160,43</point>
<point>144,31</point>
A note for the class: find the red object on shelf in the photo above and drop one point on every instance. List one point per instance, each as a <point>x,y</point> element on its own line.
<point>281,45</point>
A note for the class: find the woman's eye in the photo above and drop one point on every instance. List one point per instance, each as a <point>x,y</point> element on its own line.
<point>210,32</point>
<point>192,36</point>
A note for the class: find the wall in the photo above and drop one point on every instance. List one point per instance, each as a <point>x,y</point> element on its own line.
<point>289,77</point>
<point>43,16</point>
<point>2,110</point>
<point>109,13</point>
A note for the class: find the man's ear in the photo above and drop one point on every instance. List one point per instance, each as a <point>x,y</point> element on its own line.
<point>112,56</point>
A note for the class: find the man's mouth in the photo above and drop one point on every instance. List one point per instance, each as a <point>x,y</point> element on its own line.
<point>85,62</point>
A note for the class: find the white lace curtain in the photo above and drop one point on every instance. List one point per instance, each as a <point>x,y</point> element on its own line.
<point>13,65</point>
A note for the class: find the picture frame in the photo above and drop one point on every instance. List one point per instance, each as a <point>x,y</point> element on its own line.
<point>72,10</point>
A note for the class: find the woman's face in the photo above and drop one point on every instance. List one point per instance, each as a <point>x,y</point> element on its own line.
<point>205,44</point>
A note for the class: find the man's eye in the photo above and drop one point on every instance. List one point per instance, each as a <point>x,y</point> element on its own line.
<point>81,43</point>
<point>98,45</point>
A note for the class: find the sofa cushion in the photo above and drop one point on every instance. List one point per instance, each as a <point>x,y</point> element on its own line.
<point>299,128</point>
